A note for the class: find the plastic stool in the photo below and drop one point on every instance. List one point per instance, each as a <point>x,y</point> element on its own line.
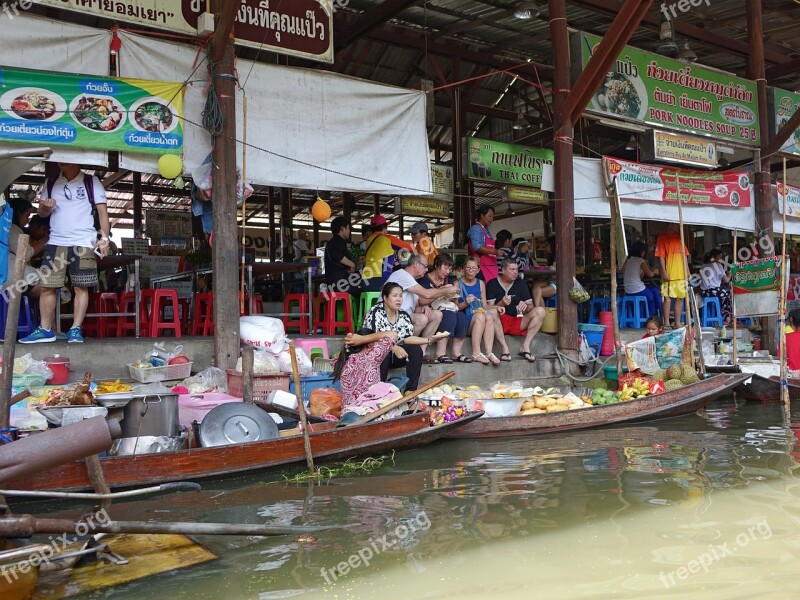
<point>127,302</point>
<point>325,314</point>
<point>633,312</point>
<point>310,344</point>
<point>596,306</point>
<point>89,325</point>
<point>25,322</point>
<point>203,320</point>
<point>365,302</point>
<point>186,306</point>
<point>159,301</point>
<point>712,312</point>
<point>107,303</point>
<point>300,321</point>
<point>551,302</point>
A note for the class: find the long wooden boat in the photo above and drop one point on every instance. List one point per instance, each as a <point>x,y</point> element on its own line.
<point>327,442</point>
<point>659,406</point>
<point>766,389</point>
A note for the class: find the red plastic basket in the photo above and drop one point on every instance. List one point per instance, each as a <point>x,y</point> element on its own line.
<point>262,384</point>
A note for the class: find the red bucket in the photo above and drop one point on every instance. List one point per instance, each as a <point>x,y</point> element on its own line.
<point>59,365</point>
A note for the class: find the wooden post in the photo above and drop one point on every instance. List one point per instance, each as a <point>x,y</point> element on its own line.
<point>12,321</point>
<point>614,314</point>
<point>783,288</point>
<point>271,207</point>
<point>301,409</point>
<point>459,180</point>
<point>248,358</point>
<point>733,299</point>
<point>690,306</point>
<point>226,307</point>
<point>137,205</point>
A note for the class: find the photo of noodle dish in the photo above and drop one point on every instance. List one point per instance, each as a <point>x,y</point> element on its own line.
<point>622,95</point>
<point>33,104</point>
<point>153,114</point>
<point>98,113</point>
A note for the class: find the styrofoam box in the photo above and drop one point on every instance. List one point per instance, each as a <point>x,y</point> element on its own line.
<point>194,407</point>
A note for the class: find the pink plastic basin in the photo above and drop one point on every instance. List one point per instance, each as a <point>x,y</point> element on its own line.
<point>194,407</point>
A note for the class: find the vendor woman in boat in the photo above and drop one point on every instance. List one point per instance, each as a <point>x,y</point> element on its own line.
<point>386,341</point>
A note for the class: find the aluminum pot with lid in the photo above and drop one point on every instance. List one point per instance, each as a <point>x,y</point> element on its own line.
<point>152,415</point>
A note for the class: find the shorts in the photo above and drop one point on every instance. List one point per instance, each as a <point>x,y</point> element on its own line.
<point>79,262</point>
<point>674,288</point>
<point>512,325</point>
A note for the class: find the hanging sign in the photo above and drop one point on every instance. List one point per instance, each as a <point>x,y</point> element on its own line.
<point>522,195</point>
<point>784,104</point>
<point>756,284</point>
<point>424,207</point>
<point>297,28</point>
<point>167,223</point>
<point>656,90</point>
<point>87,111</point>
<point>677,147</point>
<point>442,178</point>
<point>499,162</point>
<point>637,181</point>
<point>791,196</point>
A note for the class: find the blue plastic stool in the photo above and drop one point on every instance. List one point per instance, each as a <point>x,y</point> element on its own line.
<point>25,324</point>
<point>551,302</point>
<point>596,306</point>
<point>633,312</point>
<point>746,321</point>
<point>712,312</point>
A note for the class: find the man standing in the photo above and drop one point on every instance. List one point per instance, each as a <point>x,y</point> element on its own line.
<point>519,316</point>
<point>424,244</point>
<point>70,201</point>
<point>301,246</point>
<point>670,252</point>
<point>338,265</point>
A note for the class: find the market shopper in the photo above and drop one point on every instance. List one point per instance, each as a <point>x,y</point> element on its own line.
<point>70,201</point>
<point>301,245</point>
<point>519,315</point>
<point>453,320</point>
<point>482,320</point>
<point>22,210</point>
<point>670,252</point>
<point>481,243</point>
<point>714,283</point>
<point>423,243</point>
<point>380,254</point>
<point>338,264</point>
<point>521,254</point>
<point>633,270</point>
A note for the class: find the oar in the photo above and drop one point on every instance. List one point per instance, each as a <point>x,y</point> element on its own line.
<point>176,486</point>
<point>301,409</point>
<point>410,396</point>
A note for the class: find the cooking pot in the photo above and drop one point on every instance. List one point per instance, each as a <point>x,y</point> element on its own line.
<point>154,415</point>
<point>59,365</point>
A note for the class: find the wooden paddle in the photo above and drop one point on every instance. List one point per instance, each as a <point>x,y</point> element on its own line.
<point>301,409</point>
<point>410,396</point>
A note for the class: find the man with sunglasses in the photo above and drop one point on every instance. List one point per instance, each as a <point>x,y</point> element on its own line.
<point>73,247</point>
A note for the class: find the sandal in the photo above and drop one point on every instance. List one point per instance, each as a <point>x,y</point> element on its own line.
<point>481,358</point>
<point>527,356</point>
<point>462,359</point>
<point>444,360</point>
<point>493,359</point>
<point>505,357</point>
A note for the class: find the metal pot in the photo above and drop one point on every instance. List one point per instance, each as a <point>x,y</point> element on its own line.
<point>155,415</point>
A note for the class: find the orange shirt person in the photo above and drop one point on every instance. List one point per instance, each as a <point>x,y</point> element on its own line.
<point>670,252</point>
<point>424,244</point>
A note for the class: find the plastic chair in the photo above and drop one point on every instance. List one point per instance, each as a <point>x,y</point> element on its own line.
<point>25,322</point>
<point>90,326</point>
<point>551,302</point>
<point>203,319</point>
<point>633,312</point>
<point>596,306</point>
<point>365,302</point>
<point>712,313</point>
<point>332,312</point>
<point>126,305</point>
<point>107,303</point>
<point>300,304</point>
<point>310,344</point>
<point>159,300</point>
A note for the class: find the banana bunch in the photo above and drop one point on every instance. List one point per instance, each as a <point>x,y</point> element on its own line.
<point>638,388</point>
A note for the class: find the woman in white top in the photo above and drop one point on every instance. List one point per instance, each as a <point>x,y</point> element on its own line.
<point>714,280</point>
<point>633,270</point>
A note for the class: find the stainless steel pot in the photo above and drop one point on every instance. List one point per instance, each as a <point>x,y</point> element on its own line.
<point>155,416</point>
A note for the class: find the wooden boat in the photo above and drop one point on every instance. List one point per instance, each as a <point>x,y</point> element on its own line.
<point>327,442</point>
<point>766,389</point>
<point>667,404</point>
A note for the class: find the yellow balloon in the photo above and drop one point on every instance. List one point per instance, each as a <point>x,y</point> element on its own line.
<point>321,210</point>
<point>170,166</point>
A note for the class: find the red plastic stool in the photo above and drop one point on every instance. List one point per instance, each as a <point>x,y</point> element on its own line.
<point>203,320</point>
<point>89,325</point>
<point>159,301</point>
<point>108,303</point>
<point>325,313</point>
<point>186,307</point>
<point>299,321</point>
<point>127,301</point>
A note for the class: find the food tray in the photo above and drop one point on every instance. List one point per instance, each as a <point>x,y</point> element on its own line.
<point>262,384</point>
<point>114,400</point>
<point>165,373</point>
<point>56,414</point>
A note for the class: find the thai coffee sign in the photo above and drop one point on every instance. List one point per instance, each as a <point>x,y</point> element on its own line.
<point>656,90</point>
<point>499,162</point>
<point>522,195</point>
<point>298,28</point>
<point>784,104</point>
<point>87,111</point>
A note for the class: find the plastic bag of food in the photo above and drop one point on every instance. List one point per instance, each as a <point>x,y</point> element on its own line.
<point>211,379</point>
<point>263,333</point>
<point>27,365</point>
<point>325,401</point>
<point>264,363</point>
<point>303,362</point>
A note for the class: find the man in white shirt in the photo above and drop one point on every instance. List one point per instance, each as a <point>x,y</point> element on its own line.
<point>301,245</point>
<point>70,202</point>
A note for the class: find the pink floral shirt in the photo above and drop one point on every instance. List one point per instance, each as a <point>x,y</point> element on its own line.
<point>363,370</point>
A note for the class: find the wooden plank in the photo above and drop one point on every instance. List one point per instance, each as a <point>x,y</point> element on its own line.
<point>12,320</point>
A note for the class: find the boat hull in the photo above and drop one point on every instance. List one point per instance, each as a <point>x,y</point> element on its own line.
<point>327,442</point>
<point>767,389</point>
<point>659,406</point>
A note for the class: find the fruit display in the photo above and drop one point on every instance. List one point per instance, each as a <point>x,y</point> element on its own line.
<point>447,414</point>
<point>112,387</point>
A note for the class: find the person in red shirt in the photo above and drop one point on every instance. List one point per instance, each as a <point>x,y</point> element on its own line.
<point>793,342</point>
<point>653,327</point>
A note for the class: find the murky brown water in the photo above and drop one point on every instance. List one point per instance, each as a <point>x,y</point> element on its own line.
<point>702,506</point>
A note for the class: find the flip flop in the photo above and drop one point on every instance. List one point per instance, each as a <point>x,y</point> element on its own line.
<point>505,357</point>
<point>481,358</point>
<point>462,359</point>
<point>493,359</point>
<point>527,356</point>
<point>444,360</point>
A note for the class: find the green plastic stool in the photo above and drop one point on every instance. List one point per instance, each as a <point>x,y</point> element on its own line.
<point>365,302</point>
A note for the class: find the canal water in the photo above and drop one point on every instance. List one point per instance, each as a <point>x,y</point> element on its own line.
<point>701,506</point>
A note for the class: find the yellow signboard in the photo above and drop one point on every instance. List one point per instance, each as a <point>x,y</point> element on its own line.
<point>522,195</point>
<point>424,207</point>
<point>676,147</point>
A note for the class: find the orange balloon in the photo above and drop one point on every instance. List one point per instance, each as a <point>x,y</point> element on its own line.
<point>321,210</point>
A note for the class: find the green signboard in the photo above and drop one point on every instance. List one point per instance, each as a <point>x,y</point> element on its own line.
<point>88,111</point>
<point>784,104</point>
<point>656,90</point>
<point>757,275</point>
<point>499,162</point>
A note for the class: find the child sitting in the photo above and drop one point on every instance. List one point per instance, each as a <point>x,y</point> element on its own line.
<point>653,327</point>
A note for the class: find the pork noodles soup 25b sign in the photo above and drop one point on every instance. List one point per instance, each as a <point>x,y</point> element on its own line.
<point>86,111</point>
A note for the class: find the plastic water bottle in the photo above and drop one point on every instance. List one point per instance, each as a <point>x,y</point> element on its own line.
<point>723,332</point>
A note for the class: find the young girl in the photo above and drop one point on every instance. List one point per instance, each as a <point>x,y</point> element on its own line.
<point>653,327</point>
<point>714,281</point>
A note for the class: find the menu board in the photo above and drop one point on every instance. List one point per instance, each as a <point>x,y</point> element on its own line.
<point>168,223</point>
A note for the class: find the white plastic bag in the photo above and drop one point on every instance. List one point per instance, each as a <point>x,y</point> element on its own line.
<point>211,379</point>
<point>264,333</point>
<point>264,363</point>
<point>303,362</point>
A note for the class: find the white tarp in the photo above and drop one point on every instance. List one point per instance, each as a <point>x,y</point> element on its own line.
<point>591,200</point>
<point>305,128</point>
<point>30,42</point>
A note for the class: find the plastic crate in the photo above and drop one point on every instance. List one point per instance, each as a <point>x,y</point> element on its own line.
<point>309,383</point>
<point>262,384</point>
<point>165,373</point>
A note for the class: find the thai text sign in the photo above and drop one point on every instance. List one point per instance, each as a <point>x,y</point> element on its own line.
<point>523,195</point>
<point>637,181</point>
<point>442,178</point>
<point>789,196</point>
<point>757,275</point>
<point>86,111</point>
<point>424,207</point>
<point>784,105</point>
<point>488,160</point>
<point>168,223</point>
<point>661,91</point>
<point>299,28</point>
<point>676,147</point>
